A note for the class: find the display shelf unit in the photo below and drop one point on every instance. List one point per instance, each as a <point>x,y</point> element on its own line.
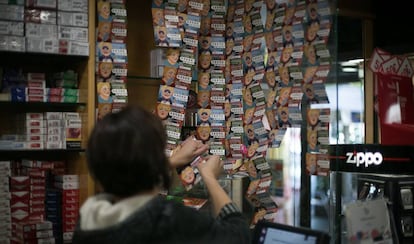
<point>388,168</point>
<point>43,62</point>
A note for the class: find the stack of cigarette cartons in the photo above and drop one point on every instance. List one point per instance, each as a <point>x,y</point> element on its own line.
<point>59,27</point>
<point>36,232</point>
<point>47,130</point>
<point>53,26</point>
<point>12,26</point>
<point>37,90</point>
<point>36,87</point>
<point>62,206</point>
<point>5,210</point>
<point>72,23</point>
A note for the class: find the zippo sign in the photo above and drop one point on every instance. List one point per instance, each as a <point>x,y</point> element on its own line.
<point>371,158</point>
<point>364,158</point>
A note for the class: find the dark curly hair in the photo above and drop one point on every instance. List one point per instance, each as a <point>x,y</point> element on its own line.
<point>126,152</point>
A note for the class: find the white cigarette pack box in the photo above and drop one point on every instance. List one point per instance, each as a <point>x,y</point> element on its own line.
<point>55,145</point>
<point>55,137</point>
<point>72,19</point>
<point>66,185</point>
<point>35,145</point>
<point>45,31</point>
<point>54,123</point>
<point>73,123</point>
<point>35,123</point>
<point>12,43</point>
<point>55,131</point>
<point>12,28</point>
<point>35,138</point>
<point>34,115</point>
<point>73,5</point>
<point>71,115</point>
<point>35,130</point>
<point>5,164</point>
<point>71,33</point>
<point>42,45</point>
<point>53,115</point>
<point>12,12</point>
<point>78,48</point>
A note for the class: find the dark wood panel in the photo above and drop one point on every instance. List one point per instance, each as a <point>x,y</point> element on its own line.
<point>140,40</point>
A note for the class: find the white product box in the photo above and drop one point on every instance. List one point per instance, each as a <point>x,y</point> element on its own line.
<point>71,115</point>
<point>5,195</point>
<point>4,187</point>
<point>73,5</point>
<point>78,48</point>
<point>42,45</point>
<point>53,115</point>
<point>34,145</point>
<point>35,131</point>
<point>54,123</point>
<point>54,145</point>
<point>55,131</point>
<point>35,123</point>
<point>5,164</point>
<point>72,19</point>
<point>12,43</point>
<point>44,31</point>
<point>12,12</point>
<point>5,173</point>
<point>34,115</point>
<point>11,28</point>
<point>36,138</point>
<point>80,34</point>
<point>73,123</point>
<point>66,185</point>
<point>55,138</point>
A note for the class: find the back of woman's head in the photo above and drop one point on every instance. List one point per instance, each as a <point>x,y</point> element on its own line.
<point>126,152</point>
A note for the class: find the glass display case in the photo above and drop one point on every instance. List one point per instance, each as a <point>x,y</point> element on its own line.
<point>362,173</point>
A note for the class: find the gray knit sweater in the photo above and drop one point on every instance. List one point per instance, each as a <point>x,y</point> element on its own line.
<point>162,221</point>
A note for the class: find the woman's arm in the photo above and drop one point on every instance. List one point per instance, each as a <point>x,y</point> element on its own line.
<point>210,169</point>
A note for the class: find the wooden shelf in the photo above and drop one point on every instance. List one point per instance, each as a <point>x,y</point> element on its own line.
<point>41,106</point>
<point>34,61</point>
<point>46,154</point>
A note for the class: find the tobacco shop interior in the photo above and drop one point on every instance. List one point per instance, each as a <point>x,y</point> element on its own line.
<point>309,103</point>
